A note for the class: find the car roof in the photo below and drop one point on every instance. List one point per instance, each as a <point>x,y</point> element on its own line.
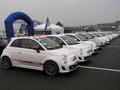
<point>30,37</point>
<point>70,34</point>
<point>57,35</point>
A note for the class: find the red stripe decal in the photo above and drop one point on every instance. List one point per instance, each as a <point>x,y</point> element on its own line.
<point>30,62</point>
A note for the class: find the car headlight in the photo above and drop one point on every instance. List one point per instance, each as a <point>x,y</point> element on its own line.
<point>92,46</point>
<point>64,57</point>
<point>81,51</point>
<point>89,51</point>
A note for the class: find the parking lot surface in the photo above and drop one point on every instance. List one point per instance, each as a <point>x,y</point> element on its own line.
<point>101,73</point>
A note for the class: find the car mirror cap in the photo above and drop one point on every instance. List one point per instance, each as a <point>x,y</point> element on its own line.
<point>36,48</point>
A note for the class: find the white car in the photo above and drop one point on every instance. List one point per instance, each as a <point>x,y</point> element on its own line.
<point>68,42</point>
<point>40,53</point>
<point>103,38</point>
<point>90,44</point>
<point>114,35</point>
<point>108,35</point>
<point>87,37</point>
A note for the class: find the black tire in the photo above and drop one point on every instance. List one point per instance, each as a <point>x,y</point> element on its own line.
<point>6,63</point>
<point>51,68</point>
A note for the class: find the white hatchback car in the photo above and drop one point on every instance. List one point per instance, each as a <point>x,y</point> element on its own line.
<point>40,53</point>
<point>90,44</point>
<point>85,52</point>
<point>102,38</point>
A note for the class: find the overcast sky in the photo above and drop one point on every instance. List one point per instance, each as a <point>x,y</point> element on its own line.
<point>68,12</point>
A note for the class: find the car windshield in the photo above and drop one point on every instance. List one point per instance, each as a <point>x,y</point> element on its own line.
<point>74,37</point>
<point>49,44</point>
<point>95,35</point>
<point>69,40</point>
<point>82,37</point>
<point>101,34</point>
<point>89,36</point>
<point>107,33</point>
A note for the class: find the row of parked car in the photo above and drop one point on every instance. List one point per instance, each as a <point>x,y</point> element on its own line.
<point>53,54</point>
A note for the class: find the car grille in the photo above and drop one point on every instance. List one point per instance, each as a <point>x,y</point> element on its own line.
<point>87,58</point>
<point>73,67</point>
<point>89,51</point>
<point>74,58</point>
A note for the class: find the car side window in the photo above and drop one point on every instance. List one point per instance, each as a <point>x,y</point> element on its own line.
<point>27,43</point>
<point>57,40</point>
<point>16,43</point>
<point>34,43</point>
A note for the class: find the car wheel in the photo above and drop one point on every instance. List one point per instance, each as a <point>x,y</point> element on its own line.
<point>51,68</point>
<point>6,63</point>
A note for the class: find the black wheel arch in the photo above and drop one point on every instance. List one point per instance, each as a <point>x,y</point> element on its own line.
<point>50,61</point>
<point>9,60</point>
<point>6,57</point>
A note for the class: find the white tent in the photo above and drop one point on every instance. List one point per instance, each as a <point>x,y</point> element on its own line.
<point>55,29</point>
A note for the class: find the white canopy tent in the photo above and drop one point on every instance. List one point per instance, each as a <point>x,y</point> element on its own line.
<point>55,29</point>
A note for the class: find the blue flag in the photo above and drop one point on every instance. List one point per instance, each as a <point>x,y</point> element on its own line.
<point>47,24</point>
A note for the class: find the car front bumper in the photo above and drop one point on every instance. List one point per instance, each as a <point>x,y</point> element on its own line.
<point>69,67</point>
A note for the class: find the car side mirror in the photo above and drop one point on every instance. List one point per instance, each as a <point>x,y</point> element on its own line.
<point>36,48</point>
<point>60,43</point>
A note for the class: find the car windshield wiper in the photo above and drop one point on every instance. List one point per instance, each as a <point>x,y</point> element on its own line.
<point>84,39</point>
<point>57,47</point>
<point>73,43</point>
<point>53,48</point>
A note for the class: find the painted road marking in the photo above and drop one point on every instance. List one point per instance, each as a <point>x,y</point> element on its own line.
<point>115,46</point>
<point>105,69</point>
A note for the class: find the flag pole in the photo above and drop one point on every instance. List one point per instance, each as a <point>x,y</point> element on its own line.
<point>46,25</point>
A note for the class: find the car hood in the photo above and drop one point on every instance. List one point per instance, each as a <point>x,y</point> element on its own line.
<point>87,43</point>
<point>62,51</point>
<point>103,39</point>
<point>78,46</point>
<point>96,41</point>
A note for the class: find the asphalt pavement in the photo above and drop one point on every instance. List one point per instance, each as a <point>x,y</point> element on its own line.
<point>101,73</point>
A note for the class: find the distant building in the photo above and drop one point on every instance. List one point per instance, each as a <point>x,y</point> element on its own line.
<point>118,25</point>
<point>109,26</point>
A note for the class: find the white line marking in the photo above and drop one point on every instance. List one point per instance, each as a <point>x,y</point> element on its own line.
<point>105,69</point>
<point>114,46</point>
